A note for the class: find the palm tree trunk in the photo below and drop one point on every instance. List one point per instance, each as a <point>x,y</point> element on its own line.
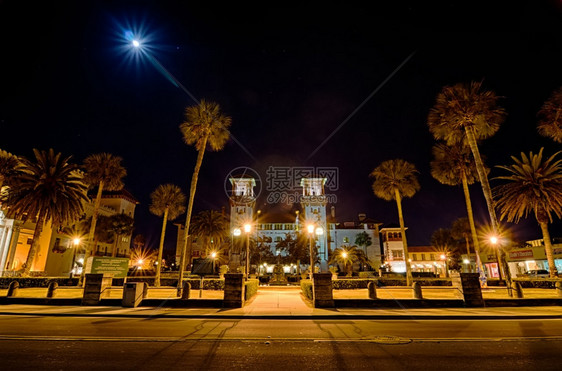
<point>89,247</point>
<point>483,177</point>
<point>190,208</point>
<point>34,244</point>
<point>548,248</point>
<point>472,224</point>
<point>161,248</point>
<point>404,241</point>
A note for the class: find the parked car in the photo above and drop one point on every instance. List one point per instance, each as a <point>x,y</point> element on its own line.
<point>533,273</point>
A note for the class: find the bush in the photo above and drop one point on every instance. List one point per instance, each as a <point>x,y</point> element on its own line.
<point>306,288</point>
<point>367,274</point>
<point>250,288</point>
<point>350,283</point>
<point>546,283</point>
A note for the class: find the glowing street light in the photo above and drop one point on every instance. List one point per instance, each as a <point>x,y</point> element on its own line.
<point>237,232</point>
<point>311,230</point>
<point>136,43</point>
<point>344,255</point>
<point>494,240</point>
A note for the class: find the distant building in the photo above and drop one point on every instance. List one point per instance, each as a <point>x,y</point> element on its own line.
<point>56,251</point>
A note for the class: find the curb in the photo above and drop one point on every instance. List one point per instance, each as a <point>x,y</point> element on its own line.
<point>408,317</point>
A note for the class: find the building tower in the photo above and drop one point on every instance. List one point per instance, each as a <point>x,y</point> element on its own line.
<point>242,203</point>
<point>314,205</point>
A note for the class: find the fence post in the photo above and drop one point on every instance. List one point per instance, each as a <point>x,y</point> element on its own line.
<point>52,289</point>
<point>372,288</point>
<point>13,289</point>
<point>468,285</point>
<point>233,290</point>
<point>417,290</point>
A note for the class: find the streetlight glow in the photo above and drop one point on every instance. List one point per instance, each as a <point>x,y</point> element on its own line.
<point>76,241</point>
<point>319,231</point>
<point>344,255</point>
<point>136,43</point>
<point>247,228</point>
<point>494,240</point>
<point>310,228</point>
<point>237,232</point>
<point>213,255</point>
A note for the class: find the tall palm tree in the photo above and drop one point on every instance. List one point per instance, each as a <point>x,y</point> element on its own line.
<point>120,225</point>
<point>168,202</point>
<point>550,117</point>
<point>533,185</point>
<point>10,166</point>
<point>104,171</point>
<point>394,180</point>
<point>454,165</point>
<point>347,256</point>
<point>49,189</point>
<point>205,127</point>
<point>464,113</point>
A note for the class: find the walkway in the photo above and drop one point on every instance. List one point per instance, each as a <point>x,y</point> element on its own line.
<point>275,300</point>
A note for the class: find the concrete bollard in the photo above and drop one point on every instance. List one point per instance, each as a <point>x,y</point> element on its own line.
<point>52,289</point>
<point>13,289</point>
<point>559,288</point>
<point>186,290</point>
<point>517,289</point>
<point>417,290</point>
<point>372,288</point>
<point>145,290</point>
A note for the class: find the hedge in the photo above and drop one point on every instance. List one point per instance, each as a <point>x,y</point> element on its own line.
<point>361,283</point>
<point>250,288</point>
<point>306,288</point>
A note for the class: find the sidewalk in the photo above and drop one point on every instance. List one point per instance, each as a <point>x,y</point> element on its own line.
<point>285,304</point>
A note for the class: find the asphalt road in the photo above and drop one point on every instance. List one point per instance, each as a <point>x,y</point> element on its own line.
<point>70,343</point>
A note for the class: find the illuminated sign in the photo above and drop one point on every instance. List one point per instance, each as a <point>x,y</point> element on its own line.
<point>521,254</point>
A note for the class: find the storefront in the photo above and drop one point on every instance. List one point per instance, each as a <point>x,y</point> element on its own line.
<point>521,260</point>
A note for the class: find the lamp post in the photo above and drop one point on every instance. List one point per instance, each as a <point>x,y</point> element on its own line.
<point>494,241</point>
<point>247,229</point>
<point>214,257</point>
<point>310,229</point>
<point>76,243</point>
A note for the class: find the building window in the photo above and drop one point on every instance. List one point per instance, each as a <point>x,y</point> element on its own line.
<point>278,227</point>
<point>278,239</point>
<point>422,256</point>
<point>346,240</point>
<point>414,257</point>
<point>397,254</point>
<point>431,256</point>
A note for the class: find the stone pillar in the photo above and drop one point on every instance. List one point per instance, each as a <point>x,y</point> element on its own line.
<point>96,286</point>
<point>558,287</point>
<point>52,289</point>
<point>233,290</point>
<point>13,289</point>
<point>417,290</point>
<point>322,290</point>
<point>372,288</point>
<point>468,286</point>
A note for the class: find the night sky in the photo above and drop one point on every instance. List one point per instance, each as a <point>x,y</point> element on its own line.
<point>288,78</point>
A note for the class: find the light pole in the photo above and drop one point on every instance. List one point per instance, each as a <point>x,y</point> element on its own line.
<point>214,257</point>
<point>76,242</point>
<point>310,229</point>
<point>247,229</point>
<point>494,241</point>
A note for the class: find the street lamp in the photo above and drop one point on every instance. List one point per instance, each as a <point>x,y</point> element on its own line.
<point>495,242</point>
<point>214,257</point>
<point>76,242</point>
<point>311,231</point>
<point>247,229</point>
<point>445,264</point>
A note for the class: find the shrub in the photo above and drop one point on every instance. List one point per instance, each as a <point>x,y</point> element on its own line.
<point>367,274</point>
<point>250,288</point>
<point>306,288</point>
<point>350,283</point>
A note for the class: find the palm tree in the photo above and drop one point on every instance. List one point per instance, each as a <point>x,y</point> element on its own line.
<point>49,189</point>
<point>465,114</point>
<point>10,166</point>
<point>168,202</point>
<point>205,127</point>
<point>454,165</point>
<point>211,229</point>
<point>363,240</point>
<point>444,243</point>
<point>533,185</point>
<point>550,117</point>
<point>347,256</point>
<point>394,180</point>
<point>104,171</point>
<point>120,225</point>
